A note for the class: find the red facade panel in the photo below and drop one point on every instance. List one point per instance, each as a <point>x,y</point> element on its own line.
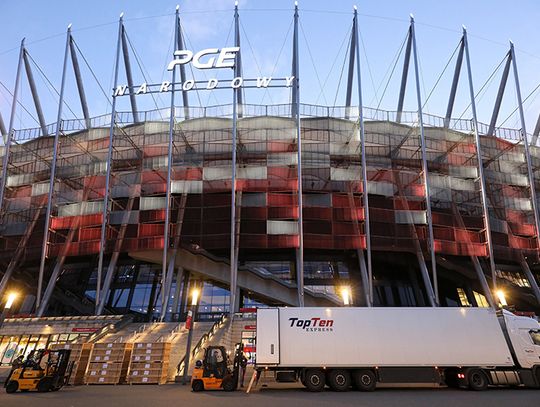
<point>188,174</point>
<point>76,221</point>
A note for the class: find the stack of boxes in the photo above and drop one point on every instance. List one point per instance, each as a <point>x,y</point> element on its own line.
<point>150,363</point>
<point>109,363</point>
<point>80,356</point>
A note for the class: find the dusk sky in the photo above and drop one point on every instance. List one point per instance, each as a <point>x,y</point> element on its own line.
<point>266,49</point>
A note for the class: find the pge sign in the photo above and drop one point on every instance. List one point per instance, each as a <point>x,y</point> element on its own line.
<point>221,58</point>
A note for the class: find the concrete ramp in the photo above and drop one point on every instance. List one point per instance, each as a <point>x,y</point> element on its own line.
<point>265,286</point>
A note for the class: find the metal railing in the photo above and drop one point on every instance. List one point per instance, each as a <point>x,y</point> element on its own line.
<point>225,111</point>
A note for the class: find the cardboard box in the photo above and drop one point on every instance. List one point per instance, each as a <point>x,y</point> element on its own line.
<point>109,363</point>
<point>149,363</point>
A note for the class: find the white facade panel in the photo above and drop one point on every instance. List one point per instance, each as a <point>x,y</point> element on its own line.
<point>82,208</point>
<point>380,188</point>
<point>152,202</point>
<point>353,173</point>
<point>98,133</point>
<point>40,189</point>
<point>186,187</point>
<point>522,204</point>
<point>463,171</point>
<point>251,172</point>
<point>411,217</point>
<point>281,227</point>
<point>282,159</point>
<point>217,173</point>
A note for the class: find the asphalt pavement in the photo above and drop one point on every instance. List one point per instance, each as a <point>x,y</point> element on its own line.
<point>272,396</point>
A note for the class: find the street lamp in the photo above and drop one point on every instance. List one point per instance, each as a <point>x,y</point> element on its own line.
<point>190,320</point>
<point>346,295</point>
<point>194,297</point>
<point>11,297</point>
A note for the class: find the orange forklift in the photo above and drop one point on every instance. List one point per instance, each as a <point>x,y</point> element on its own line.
<point>214,373</point>
<point>43,370</point>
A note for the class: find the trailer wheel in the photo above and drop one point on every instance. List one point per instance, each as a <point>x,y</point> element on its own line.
<point>314,380</point>
<point>477,380</point>
<point>339,379</point>
<point>12,386</point>
<point>197,385</point>
<point>364,380</point>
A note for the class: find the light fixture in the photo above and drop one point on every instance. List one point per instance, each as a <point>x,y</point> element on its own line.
<point>194,296</point>
<point>346,295</point>
<point>10,300</point>
<point>502,297</point>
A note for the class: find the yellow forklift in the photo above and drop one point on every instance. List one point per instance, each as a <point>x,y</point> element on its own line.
<point>213,372</point>
<point>43,370</point>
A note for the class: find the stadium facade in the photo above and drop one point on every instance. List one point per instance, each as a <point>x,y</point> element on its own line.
<point>127,212</point>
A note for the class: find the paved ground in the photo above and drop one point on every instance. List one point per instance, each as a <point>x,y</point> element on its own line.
<point>274,396</point>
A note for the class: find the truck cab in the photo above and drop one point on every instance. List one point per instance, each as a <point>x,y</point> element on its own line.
<point>524,336</point>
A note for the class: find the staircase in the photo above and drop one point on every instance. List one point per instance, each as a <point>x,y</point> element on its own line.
<point>232,332</point>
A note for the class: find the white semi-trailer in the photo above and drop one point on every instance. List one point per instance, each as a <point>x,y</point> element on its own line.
<point>360,347</point>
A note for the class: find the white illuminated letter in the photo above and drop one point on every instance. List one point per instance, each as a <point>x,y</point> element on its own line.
<point>120,90</point>
<point>165,86</point>
<point>263,82</point>
<point>185,56</point>
<point>142,89</point>
<point>212,84</point>
<point>226,57</point>
<point>289,80</point>
<point>188,85</point>
<point>236,82</point>
<point>207,65</point>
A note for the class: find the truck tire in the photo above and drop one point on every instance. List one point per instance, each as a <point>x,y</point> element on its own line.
<point>12,386</point>
<point>364,380</point>
<point>315,380</point>
<point>477,379</point>
<point>197,385</point>
<point>339,379</point>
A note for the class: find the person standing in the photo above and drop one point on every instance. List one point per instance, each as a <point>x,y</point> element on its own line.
<point>243,366</point>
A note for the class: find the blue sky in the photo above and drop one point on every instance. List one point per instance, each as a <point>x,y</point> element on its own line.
<point>325,28</point>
